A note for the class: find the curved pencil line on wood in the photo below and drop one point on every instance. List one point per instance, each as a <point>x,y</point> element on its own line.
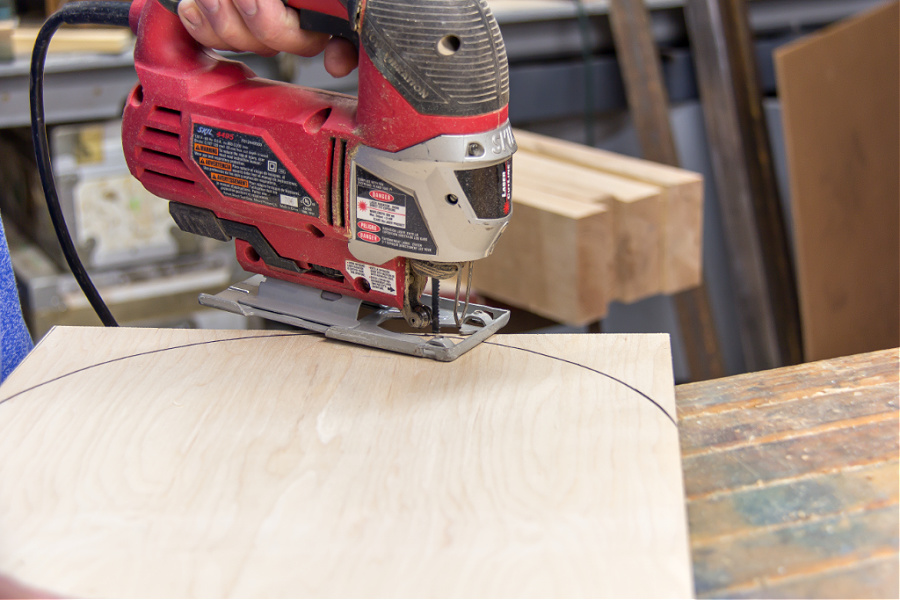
<point>148,352</point>
<point>573,363</point>
<point>593,370</point>
<point>305,333</point>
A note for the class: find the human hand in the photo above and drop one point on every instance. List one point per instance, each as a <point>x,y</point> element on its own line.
<point>10,588</point>
<point>265,27</point>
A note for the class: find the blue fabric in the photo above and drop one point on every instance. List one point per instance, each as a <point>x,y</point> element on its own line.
<point>15,341</point>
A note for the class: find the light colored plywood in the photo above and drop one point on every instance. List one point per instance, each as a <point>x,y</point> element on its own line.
<point>555,259</point>
<point>212,463</point>
<point>636,206</point>
<point>682,201</point>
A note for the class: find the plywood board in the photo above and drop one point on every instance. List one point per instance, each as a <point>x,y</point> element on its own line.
<point>211,463</point>
<point>840,94</point>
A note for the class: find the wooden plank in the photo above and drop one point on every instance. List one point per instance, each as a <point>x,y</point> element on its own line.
<point>19,41</point>
<point>636,206</point>
<point>809,543</point>
<point>792,482</point>
<point>827,408</point>
<point>556,259</point>
<point>285,464</point>
<point>873,577</point>
<point>792,456</point>
<point>863,372</point>
<point>833,494</point>
<point>681,201</point>
<point>839,93</point>
<point>755,233</point>
<point>637,196</point>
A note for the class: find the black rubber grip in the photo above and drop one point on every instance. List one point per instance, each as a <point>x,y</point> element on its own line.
<point>445,57</point>
<point>336,26</point>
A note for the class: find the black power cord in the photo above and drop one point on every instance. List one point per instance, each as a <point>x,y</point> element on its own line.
<point>74,13</point>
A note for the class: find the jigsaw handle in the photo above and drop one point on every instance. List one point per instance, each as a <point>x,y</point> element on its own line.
<point>443,58</point>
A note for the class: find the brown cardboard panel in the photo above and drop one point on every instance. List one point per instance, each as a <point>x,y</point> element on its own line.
<point>839,92</point>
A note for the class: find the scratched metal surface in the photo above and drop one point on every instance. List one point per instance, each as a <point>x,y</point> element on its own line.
<point>791,479</point>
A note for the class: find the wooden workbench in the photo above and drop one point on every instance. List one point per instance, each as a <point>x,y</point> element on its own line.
<point>791,478</point>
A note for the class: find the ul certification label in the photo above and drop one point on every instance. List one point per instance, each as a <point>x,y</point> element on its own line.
<point>243,166</point>
<point>387,216</point>
<point>380,279</point>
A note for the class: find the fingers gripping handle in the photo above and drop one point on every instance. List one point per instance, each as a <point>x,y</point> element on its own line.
<point>163,42</point>
<point>326,16</point>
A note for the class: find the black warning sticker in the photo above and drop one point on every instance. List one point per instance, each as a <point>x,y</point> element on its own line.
<point>243,166</point>
<point>387,216</point>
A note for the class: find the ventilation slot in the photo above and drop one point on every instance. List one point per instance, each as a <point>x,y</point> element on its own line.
<point>166,118</point>
<point>164,162</point>
<point>168,111</point>
<point>172,135</point>
<point>166,178</point>
<point>330,215</point>
<point>160,137</point>
<point>338,164</point>
<point>159,146</point>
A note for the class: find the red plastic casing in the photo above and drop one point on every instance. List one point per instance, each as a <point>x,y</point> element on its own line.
<point>183,84</point>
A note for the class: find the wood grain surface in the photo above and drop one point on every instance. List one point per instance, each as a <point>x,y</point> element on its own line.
<point>637,207</point>
<point>591,227</point>
<point>565,272</point>
<point>682,201</point>
<point>149,463</point>
<point>791,478</point>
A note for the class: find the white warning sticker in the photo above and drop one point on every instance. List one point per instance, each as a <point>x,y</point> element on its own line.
<point>384,213</point>
<point>380,279</point>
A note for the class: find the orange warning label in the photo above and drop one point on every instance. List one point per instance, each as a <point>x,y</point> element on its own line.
<point>215,164</point>
<point>206,149</point>
<point>229,179</point>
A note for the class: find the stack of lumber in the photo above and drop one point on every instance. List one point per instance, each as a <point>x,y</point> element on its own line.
<point>590,227</point>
